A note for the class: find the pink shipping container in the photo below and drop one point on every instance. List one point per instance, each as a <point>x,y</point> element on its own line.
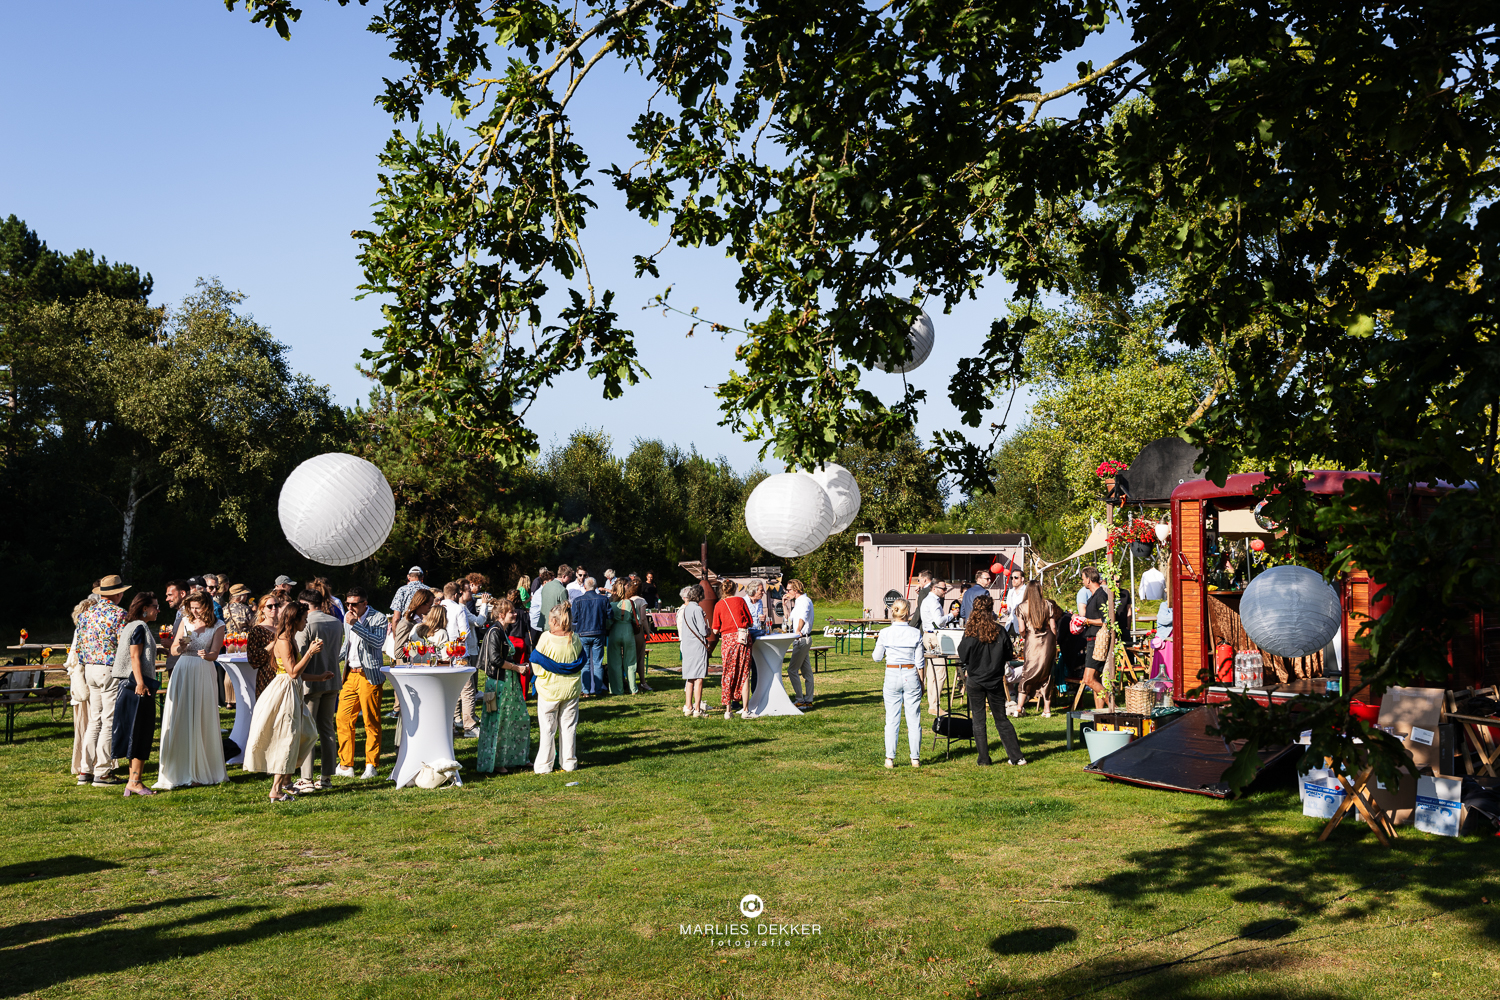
<point>892,562</point>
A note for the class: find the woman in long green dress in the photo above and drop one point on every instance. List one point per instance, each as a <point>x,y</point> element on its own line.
<point>505,728</point>
<point>621,654</point>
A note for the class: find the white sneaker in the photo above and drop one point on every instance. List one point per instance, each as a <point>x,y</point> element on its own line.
<point>686,710</point>
<point>344,772</point>
<point>369,772</point>
<point>916,762</point>
<point>890,762</point>
<point>728,714</point>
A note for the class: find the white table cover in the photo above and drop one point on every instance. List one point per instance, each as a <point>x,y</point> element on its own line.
<point>769,696</point>
<point>427,696</point>
<point>242,675</point>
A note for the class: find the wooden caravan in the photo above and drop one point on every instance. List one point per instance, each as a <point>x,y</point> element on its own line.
<point>1205,616</point>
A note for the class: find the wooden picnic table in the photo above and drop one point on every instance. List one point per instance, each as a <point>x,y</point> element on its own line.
<point>34,650</point>
<point>862,624</point>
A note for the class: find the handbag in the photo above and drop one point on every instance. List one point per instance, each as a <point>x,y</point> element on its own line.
<point>956,727</point>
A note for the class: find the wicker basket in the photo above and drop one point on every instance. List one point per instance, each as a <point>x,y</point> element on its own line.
<point>1138,699</point>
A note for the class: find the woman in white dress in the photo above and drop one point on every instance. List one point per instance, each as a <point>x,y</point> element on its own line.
<point>192,747</point>
<point>282,730</point>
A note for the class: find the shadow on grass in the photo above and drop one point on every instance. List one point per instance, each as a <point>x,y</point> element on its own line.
<point>68,864</point>
<point>1333,889</point>
<point>63,957</point>
<point>1033,940</point>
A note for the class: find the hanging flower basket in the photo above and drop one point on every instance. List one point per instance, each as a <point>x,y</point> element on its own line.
<point>1108,470</point>
<point>1142,531</point>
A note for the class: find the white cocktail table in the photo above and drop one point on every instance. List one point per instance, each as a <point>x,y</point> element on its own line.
<point>242,675</point>
<point>769,696</point>
<point>427,696</point>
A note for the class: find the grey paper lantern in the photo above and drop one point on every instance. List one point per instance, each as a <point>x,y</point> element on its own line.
<point>788,514</point>
<point>1290,611</point>
<point>843,494</point>
<point>919,339</point>
<point>336,509</point>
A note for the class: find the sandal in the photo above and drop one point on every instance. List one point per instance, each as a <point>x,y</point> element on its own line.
<point>283,797</point>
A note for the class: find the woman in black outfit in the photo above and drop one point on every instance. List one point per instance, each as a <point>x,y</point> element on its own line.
<point>984,651</point>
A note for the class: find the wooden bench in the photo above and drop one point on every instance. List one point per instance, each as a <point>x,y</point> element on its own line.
<point>819,657</point>
<point>17,697</point>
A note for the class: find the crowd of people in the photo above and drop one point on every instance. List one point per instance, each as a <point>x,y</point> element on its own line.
<point>558,638</point>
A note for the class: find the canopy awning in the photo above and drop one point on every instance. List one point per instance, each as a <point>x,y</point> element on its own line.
<point>1095,541</point>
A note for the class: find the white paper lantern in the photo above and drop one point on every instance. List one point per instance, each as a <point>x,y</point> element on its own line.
<point>1290,611</point>
<point>1163,532</point>
<point>843,494</point>
<point>919,337</point>
<point>336,509</point>
<point>788,514</point>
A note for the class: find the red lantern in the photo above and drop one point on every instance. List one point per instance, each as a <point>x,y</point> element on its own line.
<point>997,568</point>
<point>1256,545</point>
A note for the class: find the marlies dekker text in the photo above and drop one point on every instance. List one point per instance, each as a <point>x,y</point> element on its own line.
<point>748,936</point>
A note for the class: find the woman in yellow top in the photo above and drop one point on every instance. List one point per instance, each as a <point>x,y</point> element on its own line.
<point>282,730</point>
<point>557,662</point>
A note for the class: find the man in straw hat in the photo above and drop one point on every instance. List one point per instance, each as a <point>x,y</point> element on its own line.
<point>98,637</point>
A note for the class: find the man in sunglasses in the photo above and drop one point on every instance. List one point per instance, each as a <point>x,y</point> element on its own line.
<point>363,690</point>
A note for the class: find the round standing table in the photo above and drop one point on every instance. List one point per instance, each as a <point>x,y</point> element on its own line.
<point>427,696</point>
<point>769,696</point>
<point>242,675</point>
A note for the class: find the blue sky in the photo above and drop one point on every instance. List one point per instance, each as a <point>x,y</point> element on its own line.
<point>181,138</point>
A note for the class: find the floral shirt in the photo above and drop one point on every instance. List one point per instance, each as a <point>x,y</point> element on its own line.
<point>99,632</point>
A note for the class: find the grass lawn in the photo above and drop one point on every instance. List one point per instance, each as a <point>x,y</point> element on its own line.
<point>947,881</point>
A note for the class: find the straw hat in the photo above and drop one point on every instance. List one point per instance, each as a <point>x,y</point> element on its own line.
<point>111,585</point>
<point>238,589</point>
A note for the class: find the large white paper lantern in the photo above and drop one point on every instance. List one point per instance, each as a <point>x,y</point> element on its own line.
<point>1290,611</point>
<point>336,509</point>
<point>919,338</point>
<point>843,494</point>
<point>789,514</point>
<point>1163,532</point>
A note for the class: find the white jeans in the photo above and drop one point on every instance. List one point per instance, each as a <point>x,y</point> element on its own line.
<point>559,724</point>
<point>99,737</point>
<point>903,689</point>
<point>800,666</point>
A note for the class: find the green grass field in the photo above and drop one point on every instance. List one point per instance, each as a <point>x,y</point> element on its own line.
<point>947,881</point>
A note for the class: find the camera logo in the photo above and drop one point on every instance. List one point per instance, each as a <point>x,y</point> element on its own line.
<point>752,906</point>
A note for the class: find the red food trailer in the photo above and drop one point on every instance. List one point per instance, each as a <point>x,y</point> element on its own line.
<point>1205,617</point>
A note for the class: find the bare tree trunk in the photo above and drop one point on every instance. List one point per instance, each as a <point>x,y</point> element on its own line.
<point>132,502</point>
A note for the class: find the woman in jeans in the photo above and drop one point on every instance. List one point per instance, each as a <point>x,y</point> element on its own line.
<point>900,646</point>
<point>984,651</point>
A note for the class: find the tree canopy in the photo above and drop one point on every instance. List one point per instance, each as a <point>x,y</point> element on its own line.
<point>1329,166</point>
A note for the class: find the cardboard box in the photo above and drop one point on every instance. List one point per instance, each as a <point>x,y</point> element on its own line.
<point>1413,715</point>
<point>1321,798</point>
<point>1399,803</point>
<point>1439,810</point>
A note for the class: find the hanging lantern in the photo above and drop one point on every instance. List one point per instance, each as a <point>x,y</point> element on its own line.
<point>1256,545</point>
<point>1163,532</point>
<point>843,494</point>
<point>1290,611</point>
<point>336,509</point>
<point>919,343</point>
<point>788,514</point>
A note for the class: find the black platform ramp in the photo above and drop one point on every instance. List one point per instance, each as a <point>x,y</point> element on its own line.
<point>1183,757</point>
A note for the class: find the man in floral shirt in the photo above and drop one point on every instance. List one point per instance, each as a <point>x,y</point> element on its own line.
<point>98,637</point>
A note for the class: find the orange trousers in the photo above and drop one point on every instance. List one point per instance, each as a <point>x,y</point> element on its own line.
<point>359,697</point>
